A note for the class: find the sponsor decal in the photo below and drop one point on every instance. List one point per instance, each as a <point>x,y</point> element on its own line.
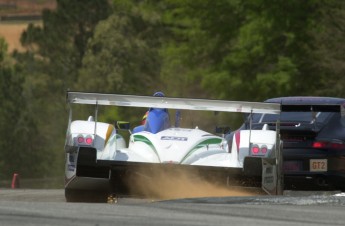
<point>174,138</point>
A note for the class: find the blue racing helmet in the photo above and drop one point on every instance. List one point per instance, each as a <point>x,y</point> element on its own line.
<point>158,94</point>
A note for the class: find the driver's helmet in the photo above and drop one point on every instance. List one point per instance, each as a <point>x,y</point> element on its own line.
<point>158,94</point>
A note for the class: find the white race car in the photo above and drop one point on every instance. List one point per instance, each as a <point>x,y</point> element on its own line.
<point>98,161</point>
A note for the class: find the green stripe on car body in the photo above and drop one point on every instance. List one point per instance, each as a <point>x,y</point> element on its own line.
<point>144,139</point>
<point>201,145</point>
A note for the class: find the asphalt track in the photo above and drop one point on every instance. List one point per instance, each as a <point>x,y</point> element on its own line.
<point>48,207</point>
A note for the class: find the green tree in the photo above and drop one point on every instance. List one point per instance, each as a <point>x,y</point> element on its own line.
<point>261,47</point>
<point>330,49</point>
<point>61,41</point>
<point>123,55</point>
<point>17,129</point>
<point>50,67</point>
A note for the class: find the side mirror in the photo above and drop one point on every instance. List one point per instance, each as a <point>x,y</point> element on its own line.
<point>123,125</point>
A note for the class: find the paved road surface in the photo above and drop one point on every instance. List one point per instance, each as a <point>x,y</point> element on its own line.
<point>48,207</point>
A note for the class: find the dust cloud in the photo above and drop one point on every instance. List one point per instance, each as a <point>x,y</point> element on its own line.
<point>182,184</point>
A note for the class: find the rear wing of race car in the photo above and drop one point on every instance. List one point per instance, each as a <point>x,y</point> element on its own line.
<point>172,103</point>
<point>313,108</point>
<point>169,103</point>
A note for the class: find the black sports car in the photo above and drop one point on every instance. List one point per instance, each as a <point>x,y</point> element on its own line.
<point>313,134</point>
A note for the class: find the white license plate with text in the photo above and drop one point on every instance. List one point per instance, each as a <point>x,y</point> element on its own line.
<point>318,165</point>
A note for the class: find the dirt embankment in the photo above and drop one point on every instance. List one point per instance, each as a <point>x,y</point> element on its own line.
<point>15,15</point>
<point>25,7</point>
<point>11,33</point>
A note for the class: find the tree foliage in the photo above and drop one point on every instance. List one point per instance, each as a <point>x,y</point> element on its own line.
<point>61,41</point>
<point>265,48</point>
<point>17,130</point>
<point>49,68</point>
<point>123,54</point>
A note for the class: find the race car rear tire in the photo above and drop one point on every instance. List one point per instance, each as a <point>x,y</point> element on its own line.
<point>76,195</point>
<point>252,166</point>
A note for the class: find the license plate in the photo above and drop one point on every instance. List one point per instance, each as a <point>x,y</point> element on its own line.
<point>318,165</point>
<point>292,166</point>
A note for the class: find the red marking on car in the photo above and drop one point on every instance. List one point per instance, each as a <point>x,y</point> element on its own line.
<point>326,144</point>
<point>80,139</point>
<point>264,150</point>
<point>89,140</point>
<point>238,139</point>
<point>255,149</point>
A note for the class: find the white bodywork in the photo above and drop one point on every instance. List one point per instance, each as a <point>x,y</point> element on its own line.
<point>105,140</point>
<point>193,147</point>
